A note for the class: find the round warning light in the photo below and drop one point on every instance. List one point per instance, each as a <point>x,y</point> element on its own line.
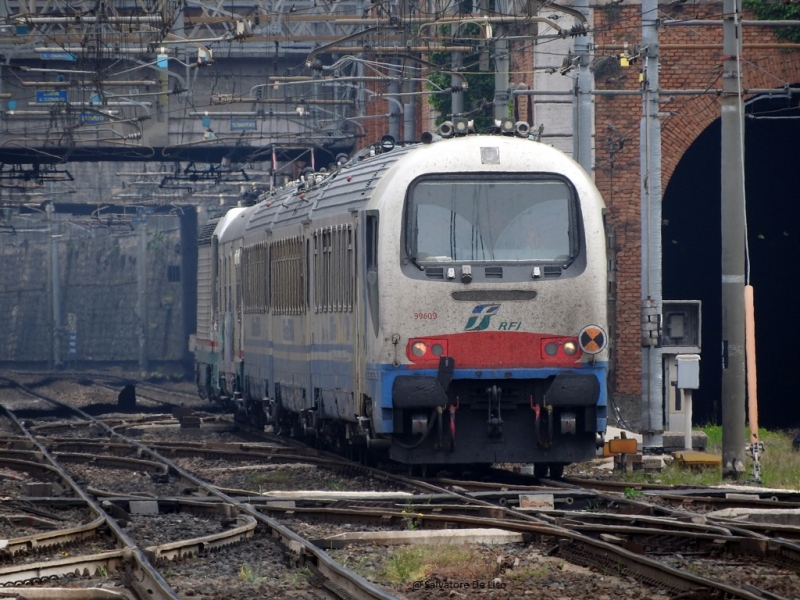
<point>593,339</point>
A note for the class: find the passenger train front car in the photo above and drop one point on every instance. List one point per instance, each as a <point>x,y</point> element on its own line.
<point>444,302</point>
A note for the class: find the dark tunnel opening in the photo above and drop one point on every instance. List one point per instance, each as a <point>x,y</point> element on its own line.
<point>692,253</point>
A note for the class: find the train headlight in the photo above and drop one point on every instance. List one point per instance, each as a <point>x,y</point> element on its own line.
<point>564,349</point>
<point>426,350</point>
<point>570,348</point>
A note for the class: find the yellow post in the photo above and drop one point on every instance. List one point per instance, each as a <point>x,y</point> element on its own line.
<point>750,349</point>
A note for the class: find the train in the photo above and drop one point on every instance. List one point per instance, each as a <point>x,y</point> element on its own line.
<point>442,303</point>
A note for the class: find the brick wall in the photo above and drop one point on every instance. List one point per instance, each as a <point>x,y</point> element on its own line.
<point>691,58</point>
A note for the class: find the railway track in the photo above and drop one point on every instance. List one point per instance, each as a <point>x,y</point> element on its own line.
<point>601,530</point>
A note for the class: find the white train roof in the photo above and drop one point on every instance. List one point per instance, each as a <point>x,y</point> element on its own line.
<point>231,226</point>
<point>353,186</point>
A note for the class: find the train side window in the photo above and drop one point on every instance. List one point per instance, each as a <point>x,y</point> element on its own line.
<point>255,278</point>
<point>333,252</point>
<point>372,243</point>
<point>371,256</point>
<point>287,276</point>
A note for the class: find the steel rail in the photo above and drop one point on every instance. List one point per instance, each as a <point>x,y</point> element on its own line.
<point>112,461</point>
<point>146,573</point>
<point>52,538</point>
<point>341,577</point>
<point>639,566</point>
<point>246,526</point>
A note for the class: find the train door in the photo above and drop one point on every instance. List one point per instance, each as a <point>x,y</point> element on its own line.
<point>367,306</point>
<point>237,307</point>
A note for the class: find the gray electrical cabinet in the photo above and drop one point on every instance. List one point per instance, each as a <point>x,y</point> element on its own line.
<point>688,371</point>
<point>680,345</point>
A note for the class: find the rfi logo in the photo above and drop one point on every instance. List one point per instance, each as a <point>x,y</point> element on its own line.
<point>481,315</point>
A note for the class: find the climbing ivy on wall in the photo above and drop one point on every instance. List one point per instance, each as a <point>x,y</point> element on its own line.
<point>769,10</point>
<point>480,91</point>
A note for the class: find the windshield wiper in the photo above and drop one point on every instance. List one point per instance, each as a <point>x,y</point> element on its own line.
<point>413,261</point>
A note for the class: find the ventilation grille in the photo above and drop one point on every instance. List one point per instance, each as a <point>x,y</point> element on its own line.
<point>493,295</point>
<point>206,233</point>
<point>552,271</point>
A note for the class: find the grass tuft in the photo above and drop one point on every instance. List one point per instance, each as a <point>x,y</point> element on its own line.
<point>780,464</point>
<point>449,560</point>
<point>248,574</point>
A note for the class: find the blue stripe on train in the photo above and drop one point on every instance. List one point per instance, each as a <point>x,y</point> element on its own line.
<point>380,379</point>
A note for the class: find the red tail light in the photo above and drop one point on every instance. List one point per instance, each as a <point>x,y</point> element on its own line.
<point>561,349</point>
<point>424,349</point>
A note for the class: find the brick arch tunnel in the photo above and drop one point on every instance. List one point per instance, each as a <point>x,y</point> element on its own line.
<point>692,254</point>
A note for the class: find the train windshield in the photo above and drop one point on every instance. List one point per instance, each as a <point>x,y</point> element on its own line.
<point>483,219</point>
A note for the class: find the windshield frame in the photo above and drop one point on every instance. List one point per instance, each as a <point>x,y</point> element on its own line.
<point>574,229</point>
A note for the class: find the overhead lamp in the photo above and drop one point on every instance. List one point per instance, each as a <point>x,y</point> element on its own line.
<point>387,143</point>
<point>460,126</point>
<point>506,126</point>
<point>446,129</point>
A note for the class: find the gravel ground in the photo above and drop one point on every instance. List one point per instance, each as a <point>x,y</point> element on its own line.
<point>6,426</point>
<point>175,434</point>
<point>154,530</point>
<point>123,482</point>
<point>12,481</point>
<point>257,568</point>
<point>740,570</point>
<point>257,478</point>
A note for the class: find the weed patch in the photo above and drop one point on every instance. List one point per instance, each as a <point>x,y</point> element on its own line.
<point>453,561</point>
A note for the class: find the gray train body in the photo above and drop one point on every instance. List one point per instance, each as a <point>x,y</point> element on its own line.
<point>445,302</point>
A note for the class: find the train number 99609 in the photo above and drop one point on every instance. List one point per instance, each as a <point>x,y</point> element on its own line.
<point>425,315</point>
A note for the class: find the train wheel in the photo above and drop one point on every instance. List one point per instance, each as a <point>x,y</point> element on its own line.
<point>418,470</point>
<point>556,470</point>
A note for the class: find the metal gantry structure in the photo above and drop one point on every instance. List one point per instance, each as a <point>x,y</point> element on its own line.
<point>139,80</point>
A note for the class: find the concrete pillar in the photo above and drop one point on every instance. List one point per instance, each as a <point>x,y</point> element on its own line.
<point>54,285</point>
<point>141,292</point>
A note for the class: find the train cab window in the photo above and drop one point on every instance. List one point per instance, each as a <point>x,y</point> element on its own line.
<point>490,220</point>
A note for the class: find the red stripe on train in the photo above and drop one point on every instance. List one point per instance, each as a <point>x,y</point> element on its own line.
<point>492,350</point>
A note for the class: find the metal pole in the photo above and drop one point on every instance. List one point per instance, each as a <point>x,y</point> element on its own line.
<point>733,251</point>
<point>457,98</point>
<point>409,110</point>
<point>141,289</point>
<point>56,301</point>
<point>501,91</point>
<point>687,427</point>
<point>394,107</point>
<point>650,155</point>
<point>55,290</point>
<point>583,122</point>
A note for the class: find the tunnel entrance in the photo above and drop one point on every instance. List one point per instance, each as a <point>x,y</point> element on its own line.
<point>692,254</point>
